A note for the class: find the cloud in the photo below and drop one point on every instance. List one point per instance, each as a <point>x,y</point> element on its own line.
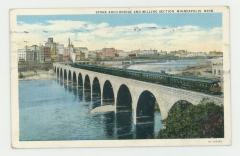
<point>127,37</point>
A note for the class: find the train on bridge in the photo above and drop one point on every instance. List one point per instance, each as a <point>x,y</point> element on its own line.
<point>200,84</point>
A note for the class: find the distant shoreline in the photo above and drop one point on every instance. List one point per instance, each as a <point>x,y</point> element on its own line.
<point>36,75</point>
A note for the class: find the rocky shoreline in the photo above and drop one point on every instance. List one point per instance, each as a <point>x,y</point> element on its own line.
<point>201,70</point>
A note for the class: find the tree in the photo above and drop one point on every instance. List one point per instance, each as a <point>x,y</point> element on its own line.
<point>188,121</point>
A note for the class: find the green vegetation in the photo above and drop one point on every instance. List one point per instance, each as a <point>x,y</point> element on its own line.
<point>20,75</point>
<point>188,121</point>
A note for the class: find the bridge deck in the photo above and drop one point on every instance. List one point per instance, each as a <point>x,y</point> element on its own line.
<point>200,84</point>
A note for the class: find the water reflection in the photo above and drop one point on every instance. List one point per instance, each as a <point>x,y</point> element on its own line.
<point>149,129</point>
<point>87,95</point>
<point>116,125</point>
<point>124,126</point>
<point>69,87</point>
<point>80,92</point>
<point>96,101</point>
<point>144,131</point>
<point>75,90</point>
<point>109,123</point>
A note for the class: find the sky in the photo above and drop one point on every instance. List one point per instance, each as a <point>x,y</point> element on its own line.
<point>193,32</point>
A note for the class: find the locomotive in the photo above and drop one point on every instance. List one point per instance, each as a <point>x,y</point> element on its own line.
<point>200,84</point>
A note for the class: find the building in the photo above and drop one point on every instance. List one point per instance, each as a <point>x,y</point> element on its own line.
<point>66,55</point>
<point>22,55</point>
<point>203,54</point>
<point>37,52</point>
<point>60,49</point>
<point>217,68</point>
<point>60,52</point>
<point>60,58</point>
<point>94,55</point>
<point>122,53</point>
<point>215,54</point>
<point>41,54</point>
<point>194,54</point>
<point>47,54</point>
<point>147,53</point>
<point>53,49</point>
<point>81,53</point>
<point>71,53</point>
<point>132,54</point>
<point>31,55</point>
<point>108,53</point>
<point>162,52</point>
<point>50,40</point>
<point>179,53</point>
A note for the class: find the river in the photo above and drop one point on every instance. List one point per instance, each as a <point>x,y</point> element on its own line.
<point>49,110</point>
<point>171,66</point>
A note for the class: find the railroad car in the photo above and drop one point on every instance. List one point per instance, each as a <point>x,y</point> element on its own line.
<point>200,84</point>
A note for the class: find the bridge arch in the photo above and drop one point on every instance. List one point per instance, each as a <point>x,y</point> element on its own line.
<point>165,97</point>
<point>87,88</point>
<point>145,106</point>
<point>65,75</point>
<point>124,118</point>
<point>57,72</point>
<point>124,99</point>
<point>80,86</point>
<point>69,76</point>
<point>96,93</point>
<point>74,79</point>
<point>80,80</point>
<point>146,118</point>
<point>61,73</point>
<point>108,93</point>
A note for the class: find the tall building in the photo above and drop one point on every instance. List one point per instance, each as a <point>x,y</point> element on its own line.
<point>60,49</point>
<point>71,52</point>
<point>50,40</point>
<point>81,53</point>
<point>36,53</point>
<point>47,54</point>
<point>41,54</point>
<point>60,52</point>
<point>66,55</point>
<point>32,53</point>
<point>53,48</point>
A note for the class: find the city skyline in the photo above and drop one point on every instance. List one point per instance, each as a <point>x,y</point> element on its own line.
<point>127,32</point>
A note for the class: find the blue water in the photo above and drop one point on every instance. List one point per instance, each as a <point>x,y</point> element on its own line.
<point>51,111</point>
<point>171,65</point>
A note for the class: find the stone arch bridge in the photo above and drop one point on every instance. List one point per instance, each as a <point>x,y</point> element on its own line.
<point>140,97</point>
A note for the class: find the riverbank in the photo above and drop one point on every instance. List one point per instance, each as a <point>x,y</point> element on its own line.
<point>36,75</point>
<point>200,70</point>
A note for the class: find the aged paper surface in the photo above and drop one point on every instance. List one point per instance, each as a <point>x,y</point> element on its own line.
<point>114,77</point>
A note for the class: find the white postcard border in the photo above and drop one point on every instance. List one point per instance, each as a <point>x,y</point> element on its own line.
<point>117,143</point>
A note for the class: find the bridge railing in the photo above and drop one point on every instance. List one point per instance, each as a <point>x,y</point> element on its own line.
<point>200,84</point>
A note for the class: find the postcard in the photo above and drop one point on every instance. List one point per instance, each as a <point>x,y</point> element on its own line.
<point>120,77</point>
